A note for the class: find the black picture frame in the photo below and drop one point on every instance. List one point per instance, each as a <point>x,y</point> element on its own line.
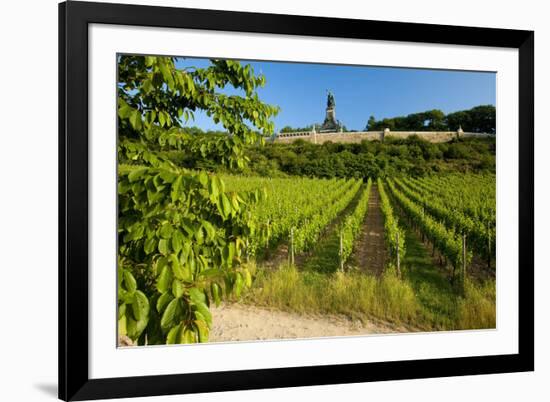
<point>74,18</point>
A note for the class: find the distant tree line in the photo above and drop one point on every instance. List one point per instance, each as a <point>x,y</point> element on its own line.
<point>393,156</point>
<point>289,129</point>
<point>479,119</point>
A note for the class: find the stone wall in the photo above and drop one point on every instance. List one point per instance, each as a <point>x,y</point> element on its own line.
<point>357,137</point>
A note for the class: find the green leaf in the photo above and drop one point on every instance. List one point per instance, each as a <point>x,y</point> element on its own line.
<point>171,315</point>
<point>129,281</point>
<point>135,119</point>
<point>210,230</point>
<point>176,185</point>
<point>204,332</point>
<point>216,291</point>
<point>188,336</point>
<point>238,284</point>
<point>122,331</point>
<point>177,268</point>
<point>150,245</point>
<point>203,178</point>
<point>235,202</point>
<point>174,335</point>
<point>197,296</point>
<point>160,264</point>
<point>147,86</point>
<point>177,289</point>
<point>165,280</point>
<point>124,111</point>
<point>247,278</point>
<point>162,119</point>
<point>164,248</point>
<point>121,310</point>
<point>203,310</point>
<point>163,301</point>
<point>166,230</point>
<point>177,241</point>
<point>167,75</point>
<point>137,174</point>
<point>226,205</point>
<point>214,188</point>
<point>140,306</point>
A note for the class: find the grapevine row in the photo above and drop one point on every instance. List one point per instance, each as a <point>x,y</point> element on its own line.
<point>394,235</point>
<point>353,223</point>
<point>305,236</point>
<point>286,205</point>
<point>474,197</point>
<point>444,239</point>
<point>480,237</point>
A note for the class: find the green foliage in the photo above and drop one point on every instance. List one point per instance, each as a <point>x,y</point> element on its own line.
<point>444,238</point>
<point>180,232</point>
<point>353,223</point>
<point>480,231</point>
<point>394,234</point>
<point>289,129</point>
<point>306,236</point>
<point>285,206</point>
<point>156,101</point>
<point>480,119</point>
<point>411,156</point>
<point>133,305</point>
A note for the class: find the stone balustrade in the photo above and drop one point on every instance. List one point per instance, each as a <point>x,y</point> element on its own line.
<point>358,136</point>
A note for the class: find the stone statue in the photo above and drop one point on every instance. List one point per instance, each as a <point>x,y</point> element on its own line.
<point>330,125</point>
<point>330,100</point>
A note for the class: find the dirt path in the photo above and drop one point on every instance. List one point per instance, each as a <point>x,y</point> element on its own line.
<point>370,251</point>
<point>237,322</point>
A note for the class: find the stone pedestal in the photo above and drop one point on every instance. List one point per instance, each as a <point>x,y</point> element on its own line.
<point>330,124</point>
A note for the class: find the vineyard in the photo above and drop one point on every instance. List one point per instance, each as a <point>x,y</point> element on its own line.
<point>299,252</point>
<point>400,232</point>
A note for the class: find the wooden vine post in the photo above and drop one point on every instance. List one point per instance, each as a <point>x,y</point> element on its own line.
<point>463,260</point>
<point>267,234</point>
<point>398,261</point>
<point>341,252</point>
<point>488,246</point>
<point>291,253</point>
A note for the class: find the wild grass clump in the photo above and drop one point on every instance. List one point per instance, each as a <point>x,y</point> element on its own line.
<point>477,310</point>
<point>389,297</point>
<point>356,295</point>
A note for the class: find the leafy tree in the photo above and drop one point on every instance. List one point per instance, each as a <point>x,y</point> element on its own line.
<point>371,123</point>
<point>483,119</point>
<point>181,235</point>
<point>480,119</point>
<point>459,119</point>
<point>289,129</point>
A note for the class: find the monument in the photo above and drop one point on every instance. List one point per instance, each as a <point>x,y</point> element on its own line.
<point>330,124</point>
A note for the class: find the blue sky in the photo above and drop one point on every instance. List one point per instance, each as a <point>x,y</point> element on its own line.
<point>299,89</point>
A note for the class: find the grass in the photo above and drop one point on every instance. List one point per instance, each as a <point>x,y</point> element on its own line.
<point>423,298</point>
<point>354,294</point>
<point>441,307</point>
<point>325,257</point>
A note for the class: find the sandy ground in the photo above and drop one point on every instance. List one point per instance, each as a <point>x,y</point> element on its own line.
<point>237,322</point>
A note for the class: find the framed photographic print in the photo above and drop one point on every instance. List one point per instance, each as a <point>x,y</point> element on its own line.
<point>257,201</point>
